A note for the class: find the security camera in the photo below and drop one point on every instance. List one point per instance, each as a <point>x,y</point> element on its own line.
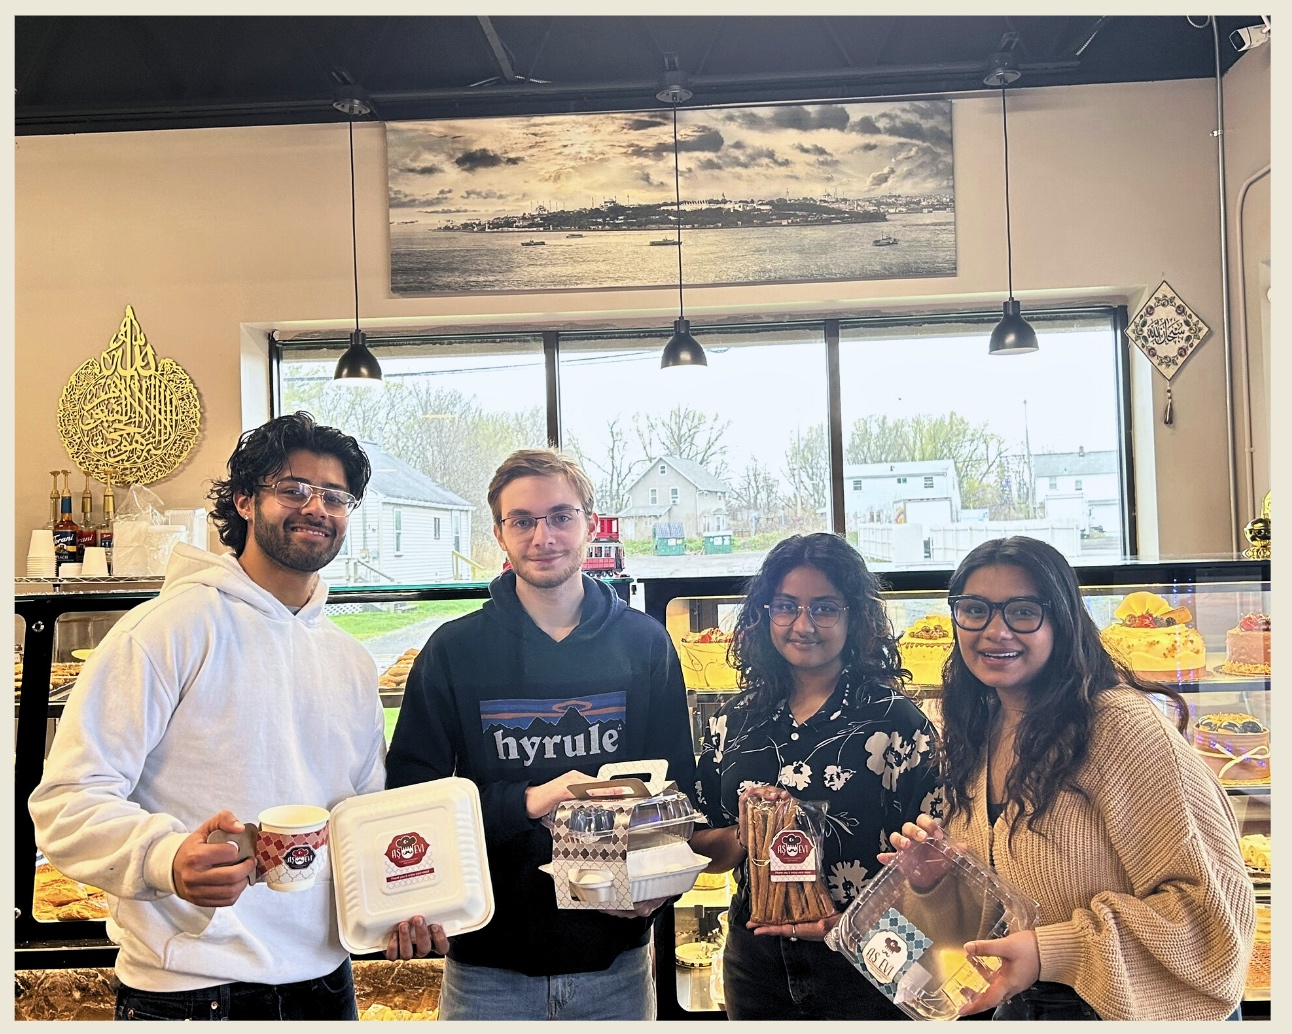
<point>1251,36</point>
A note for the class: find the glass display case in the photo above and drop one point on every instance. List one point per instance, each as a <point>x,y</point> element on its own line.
<point>59,922</point>
<point>1201,626</point>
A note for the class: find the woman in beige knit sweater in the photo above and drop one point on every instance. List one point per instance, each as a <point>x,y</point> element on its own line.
<point>1064,774</point>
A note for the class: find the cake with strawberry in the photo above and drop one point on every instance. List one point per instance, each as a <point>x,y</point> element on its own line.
<point>924,647</point>
<point>1247,646</point>
<point>1235,745</point>
<point>1155,640</point>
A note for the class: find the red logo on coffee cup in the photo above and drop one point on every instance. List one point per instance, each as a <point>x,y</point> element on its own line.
<point>299,857</point>
<point>407,849</point>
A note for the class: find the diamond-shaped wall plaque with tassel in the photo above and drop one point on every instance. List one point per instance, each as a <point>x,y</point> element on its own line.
<point>1166,331</point>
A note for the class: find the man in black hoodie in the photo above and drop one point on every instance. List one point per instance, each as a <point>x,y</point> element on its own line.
<point>551,679</point>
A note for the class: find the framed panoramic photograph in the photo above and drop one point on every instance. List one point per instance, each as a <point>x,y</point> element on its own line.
<point>807,192</point>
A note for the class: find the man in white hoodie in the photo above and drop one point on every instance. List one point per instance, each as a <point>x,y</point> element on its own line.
<point>227,694</point>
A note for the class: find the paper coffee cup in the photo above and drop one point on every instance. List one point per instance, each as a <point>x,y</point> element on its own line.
<point>95,562</point>
<point>291,847</point>
<point>42,543</point>
<point>41,566</point>
<point>70,571</point>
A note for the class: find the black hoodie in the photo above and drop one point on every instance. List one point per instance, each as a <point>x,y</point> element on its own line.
<point>495,699</point>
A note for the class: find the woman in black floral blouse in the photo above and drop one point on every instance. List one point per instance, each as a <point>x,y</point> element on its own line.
<point>821,715</point>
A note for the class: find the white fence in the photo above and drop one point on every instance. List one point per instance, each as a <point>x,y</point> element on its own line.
<point>945,545</point>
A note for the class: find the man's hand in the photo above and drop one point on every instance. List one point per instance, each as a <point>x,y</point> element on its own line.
<point>640,912</point>
<point>541,799</point>
<point>210,875</point>
<point>415,940</point>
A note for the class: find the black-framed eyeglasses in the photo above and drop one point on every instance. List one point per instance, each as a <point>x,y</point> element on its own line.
<point>822,613</point>
<point>1022,614</point>
<point>525,524</point>
<point>297,494</point>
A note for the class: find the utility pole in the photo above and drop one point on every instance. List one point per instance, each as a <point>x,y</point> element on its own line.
<point>1031,475</point>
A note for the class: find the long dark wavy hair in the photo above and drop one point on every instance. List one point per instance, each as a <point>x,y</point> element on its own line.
<point>262,452</point>
<point>870,649</point>
<point>1052,740</point>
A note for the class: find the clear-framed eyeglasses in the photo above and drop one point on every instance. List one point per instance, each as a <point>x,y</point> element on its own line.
<point>526,524</point>
<point>1022,614</point>
<point>823,613</point>
<point>296,494</point>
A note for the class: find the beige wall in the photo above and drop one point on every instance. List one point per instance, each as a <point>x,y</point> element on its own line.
<point>214,236</point>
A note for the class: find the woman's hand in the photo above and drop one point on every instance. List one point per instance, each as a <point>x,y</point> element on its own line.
<point>416,939</point>
<point>803,931</point>
<point>921,829</point>
<point>1020,968</point>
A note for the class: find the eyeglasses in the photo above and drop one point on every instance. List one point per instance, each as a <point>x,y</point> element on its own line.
<point>823,614</point>
<point>296,494</point>
<point>562,520</point>
<point>1022,614</point>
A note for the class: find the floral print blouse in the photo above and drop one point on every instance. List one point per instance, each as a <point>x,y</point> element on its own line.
<point>867,753</point>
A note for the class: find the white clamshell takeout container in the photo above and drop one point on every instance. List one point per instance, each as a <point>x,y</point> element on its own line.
<point>415,850</point>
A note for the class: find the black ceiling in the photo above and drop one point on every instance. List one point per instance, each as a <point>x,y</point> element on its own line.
<point>102,74</point>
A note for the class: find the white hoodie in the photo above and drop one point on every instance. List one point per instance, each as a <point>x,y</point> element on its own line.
<point>212,696</point>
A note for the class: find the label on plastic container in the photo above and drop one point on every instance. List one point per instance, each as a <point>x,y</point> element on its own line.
<point>889,948</point>
<point>793,857</point>
<point>409,861</point>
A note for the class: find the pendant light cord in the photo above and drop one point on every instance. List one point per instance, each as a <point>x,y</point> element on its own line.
<point>354,232</point>
<point>1009,243</point>
<point>677,189</point>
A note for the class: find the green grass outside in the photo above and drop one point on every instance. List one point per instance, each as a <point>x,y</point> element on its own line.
<point>375,623</point>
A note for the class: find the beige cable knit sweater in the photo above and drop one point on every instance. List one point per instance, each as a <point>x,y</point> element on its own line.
<point>1146,907</point>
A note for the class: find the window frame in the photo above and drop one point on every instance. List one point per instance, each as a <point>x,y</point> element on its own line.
<point>283,346</point>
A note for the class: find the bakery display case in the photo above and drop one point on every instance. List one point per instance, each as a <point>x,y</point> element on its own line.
<point>59,922</point>
<point>1201,626</point>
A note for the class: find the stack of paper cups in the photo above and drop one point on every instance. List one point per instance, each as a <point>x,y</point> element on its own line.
<point>41,562</point>
<point>95,562</point>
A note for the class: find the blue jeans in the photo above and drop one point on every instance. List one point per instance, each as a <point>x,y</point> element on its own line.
<point>327,998</point>
<point>625,991</point>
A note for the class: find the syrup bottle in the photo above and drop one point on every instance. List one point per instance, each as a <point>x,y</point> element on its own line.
<point>86,534</point>
<point>65,531</point>
<point>53,502</point>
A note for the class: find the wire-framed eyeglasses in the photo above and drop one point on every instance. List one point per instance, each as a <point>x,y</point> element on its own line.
<point>297,494</point>
<point>526,524</point>
<point>822,613</point>
<point>1022,614</point>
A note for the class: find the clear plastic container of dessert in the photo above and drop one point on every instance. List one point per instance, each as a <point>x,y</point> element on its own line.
<point>906,931</point>
<point>415,850</point>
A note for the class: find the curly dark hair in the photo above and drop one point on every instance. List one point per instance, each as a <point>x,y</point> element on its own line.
<point>870,650</point>
<point>1052,741</point>
<point>262,452</point>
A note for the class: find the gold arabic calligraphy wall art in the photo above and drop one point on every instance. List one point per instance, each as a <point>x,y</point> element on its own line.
<point>127,414</point>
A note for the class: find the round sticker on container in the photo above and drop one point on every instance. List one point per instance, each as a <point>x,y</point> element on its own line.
<point>409,861</point>
<point>884,955</point>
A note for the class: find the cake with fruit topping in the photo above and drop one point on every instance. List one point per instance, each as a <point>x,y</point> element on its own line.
<point>1247,646</point>
<point>1235,745</point>
<point>704,659</point>
<point>924,647</point>
<point>1155,640</point>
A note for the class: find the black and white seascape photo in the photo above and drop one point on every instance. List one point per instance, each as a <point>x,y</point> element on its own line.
<point>769,194</point>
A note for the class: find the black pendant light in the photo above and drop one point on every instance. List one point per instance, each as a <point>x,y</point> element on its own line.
<point>358,367</point>
<point>1013,334</point>
<point>682,349</point>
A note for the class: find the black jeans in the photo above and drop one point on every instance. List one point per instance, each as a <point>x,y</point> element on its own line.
<point>775,978</point>
<point>1046,1001</point>
<point>327,998</point>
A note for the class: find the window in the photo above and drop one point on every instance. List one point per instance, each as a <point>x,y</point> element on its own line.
<point>1042,409</point>
<point>399,530</point>
<point>435,530</point>
<point>672,497</point>
<point>760,442</point>
<point>1076,485</point>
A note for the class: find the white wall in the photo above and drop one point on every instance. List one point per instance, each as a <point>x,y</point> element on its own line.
<point>215,236</point>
